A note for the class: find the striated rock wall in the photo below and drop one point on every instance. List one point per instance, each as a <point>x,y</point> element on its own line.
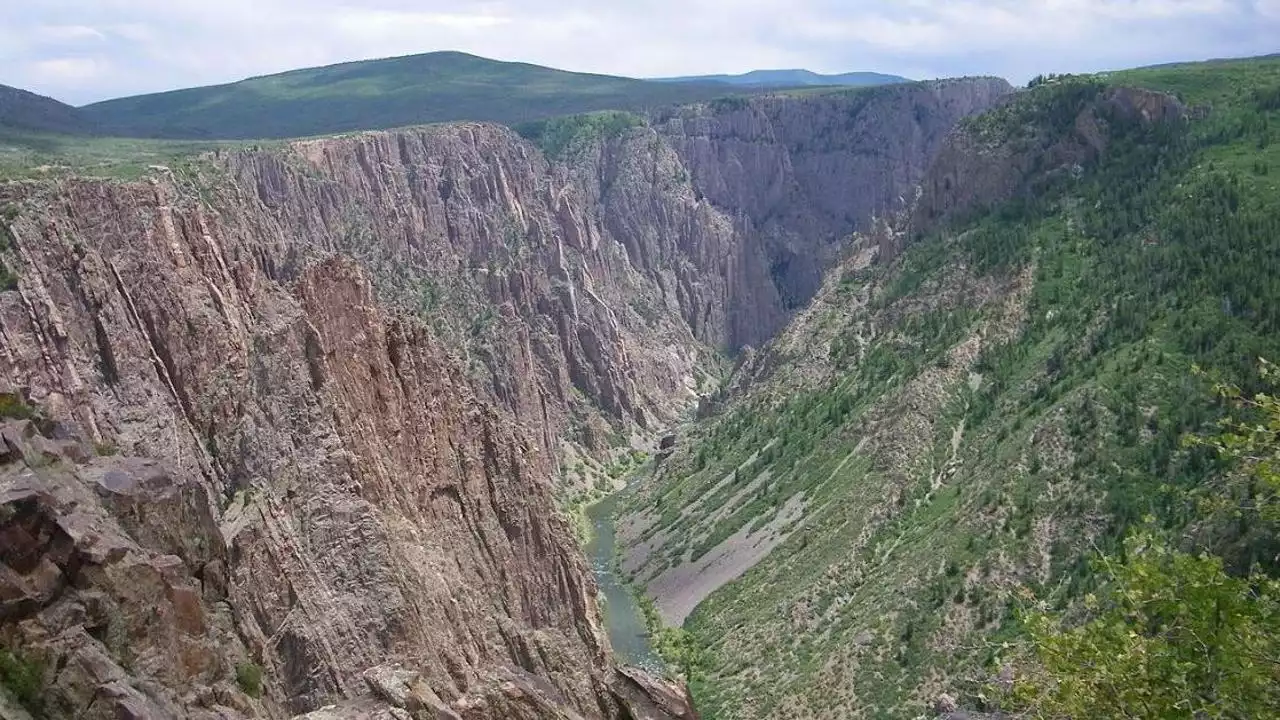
<point>797,176</point>
<point>357,362</point>
<point>372,508</point>
<point>518,269</point>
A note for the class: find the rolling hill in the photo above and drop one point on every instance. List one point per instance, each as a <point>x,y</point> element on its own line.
<point>21,110</point>
<point>791,78</point>
<point>377,94</point>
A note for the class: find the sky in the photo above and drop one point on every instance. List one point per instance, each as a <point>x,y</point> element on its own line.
<point>81,51</point>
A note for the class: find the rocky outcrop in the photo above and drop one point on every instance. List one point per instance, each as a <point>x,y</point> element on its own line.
<point>113,582</point>
<point>1013,154</point>
<point>648,698</point>
<point>315,397</point>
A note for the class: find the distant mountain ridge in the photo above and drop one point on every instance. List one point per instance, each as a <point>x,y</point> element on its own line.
<point>791,78</point>
<point>386,93</point>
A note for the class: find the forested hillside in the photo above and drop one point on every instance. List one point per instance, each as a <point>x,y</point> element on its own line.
<point>384,93</point>
<point>27,111</point>
<point>949,436</point>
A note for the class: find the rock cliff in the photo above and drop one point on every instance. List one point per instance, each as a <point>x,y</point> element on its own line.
<point>792,178</point>
<point>287,423</point>
<point>371,508</point>
<point>1014,152</point>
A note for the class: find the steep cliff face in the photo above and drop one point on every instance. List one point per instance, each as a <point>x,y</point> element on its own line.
<point>357,363</point>
<point>470,228</point>
<point>373,509</point>
<point>992,160</point>
<point>796,177</point>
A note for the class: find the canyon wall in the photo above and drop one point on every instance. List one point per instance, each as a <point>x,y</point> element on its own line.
<point>787,178</point>
<point>372,510</point>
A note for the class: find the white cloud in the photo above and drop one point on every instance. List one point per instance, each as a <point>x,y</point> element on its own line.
<point>376,24</point>
<point>968,25</point>
<point>67,33</point>
<point>1269,9</point>
<point>66,70</point>
<point>83,50</point>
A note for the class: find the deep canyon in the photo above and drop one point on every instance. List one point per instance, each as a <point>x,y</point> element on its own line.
<point>286,427</point>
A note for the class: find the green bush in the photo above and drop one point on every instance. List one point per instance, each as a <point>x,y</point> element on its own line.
<point>12,406</point>
<point>676,646</point>
<point>24,679</point>
<point>249,678</point>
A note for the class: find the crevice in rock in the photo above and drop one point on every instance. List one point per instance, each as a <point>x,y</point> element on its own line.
<point>106,356</point>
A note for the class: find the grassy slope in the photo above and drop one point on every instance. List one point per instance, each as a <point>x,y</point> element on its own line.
<point>26,154</point>
<point>972,419</point>
<point>386,93</point>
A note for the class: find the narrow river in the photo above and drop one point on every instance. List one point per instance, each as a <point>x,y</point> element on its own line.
<point>622,617</point>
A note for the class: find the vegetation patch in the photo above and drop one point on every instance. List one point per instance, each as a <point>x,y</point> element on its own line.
<point>8,278</point>
<point>1183,625</point>
<point>24,678</point>
<point>677,647</point>
<point>560,138</point>
<point>249,678</point>
<point>13,407</point>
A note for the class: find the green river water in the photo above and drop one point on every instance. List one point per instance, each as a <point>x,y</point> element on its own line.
<point>622,617</point>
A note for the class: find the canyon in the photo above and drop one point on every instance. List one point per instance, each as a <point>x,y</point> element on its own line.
<point>290,429</point>
<point>995,385</point>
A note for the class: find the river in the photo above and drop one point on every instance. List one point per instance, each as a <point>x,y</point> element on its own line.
<point>622,617</point>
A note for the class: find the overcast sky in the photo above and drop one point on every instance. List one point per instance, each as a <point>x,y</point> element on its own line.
<point>85,50</point>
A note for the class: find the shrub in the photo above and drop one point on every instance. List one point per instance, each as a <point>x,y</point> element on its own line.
<point>249,678</point>
<point>12,406</point>
<point>1177,631</point>
<point>24,679</point>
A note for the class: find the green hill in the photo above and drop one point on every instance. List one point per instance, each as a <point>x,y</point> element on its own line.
<point>28,112</point>
<point>948,437</point>
<point>376,94</point>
